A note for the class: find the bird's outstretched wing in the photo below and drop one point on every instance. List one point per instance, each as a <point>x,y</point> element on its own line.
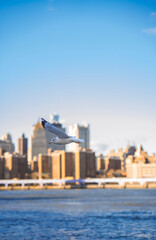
<point>51,128</point>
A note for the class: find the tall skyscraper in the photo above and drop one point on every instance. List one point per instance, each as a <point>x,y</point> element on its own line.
<point>41,138</point>
<point>82,132</point>
<point>22,144</point>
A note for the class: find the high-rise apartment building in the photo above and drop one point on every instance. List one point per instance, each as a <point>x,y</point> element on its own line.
<point>22,144</point>
<point>84,164</point>
<point>57,165</point>
<point>15,166</point>
<point>44,166</point>
<point>82,132</point>
<point>62,164</point>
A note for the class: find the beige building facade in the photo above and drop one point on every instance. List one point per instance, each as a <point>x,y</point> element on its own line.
<point>141,165</point>
<point>100,163</point>
<point>84,164</point>
<point>141,170</point>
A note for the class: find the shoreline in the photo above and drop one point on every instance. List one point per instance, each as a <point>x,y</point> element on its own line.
<point>89,186</point>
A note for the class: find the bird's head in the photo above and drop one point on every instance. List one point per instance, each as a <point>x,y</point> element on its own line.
<point>53,140</point>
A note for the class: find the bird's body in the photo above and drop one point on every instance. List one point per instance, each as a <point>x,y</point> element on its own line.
<point>62,138</point>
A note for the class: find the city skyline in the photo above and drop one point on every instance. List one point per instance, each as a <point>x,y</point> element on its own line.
<point>91,62</point>
<point>101,149</point>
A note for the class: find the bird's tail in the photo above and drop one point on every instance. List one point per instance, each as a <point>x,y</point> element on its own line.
<point>81,140</point>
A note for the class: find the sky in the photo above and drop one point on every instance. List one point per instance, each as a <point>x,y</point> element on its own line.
<point>89,61</point>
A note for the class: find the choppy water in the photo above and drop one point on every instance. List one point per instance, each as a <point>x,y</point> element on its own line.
<point>78,214</point>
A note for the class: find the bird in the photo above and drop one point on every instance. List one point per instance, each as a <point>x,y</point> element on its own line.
<point>62,138</point>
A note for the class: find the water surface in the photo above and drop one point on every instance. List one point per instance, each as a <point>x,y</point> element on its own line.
<point>78,214</point>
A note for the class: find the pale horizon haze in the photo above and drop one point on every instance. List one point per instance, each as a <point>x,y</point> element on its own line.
<point>89,61</point>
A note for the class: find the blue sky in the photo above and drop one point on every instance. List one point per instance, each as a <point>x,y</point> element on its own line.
<point>89,61</point>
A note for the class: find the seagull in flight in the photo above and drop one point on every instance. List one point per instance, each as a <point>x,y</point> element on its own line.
<point>62,138</point>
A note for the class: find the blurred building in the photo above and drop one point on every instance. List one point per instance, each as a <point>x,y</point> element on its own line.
<point>33,165</point>
<point>41,138</point>
<point>22,145</point>
<point>129,151</point>
<point>100,162</point>
<point>54,118</point>
<point>15,166</point>
<point>141,170</point>
<point>115,160</point>
<point>60,164</point>
<point>57,165</point>
<point>152,159</point>
<point>2,165</point>
<point>84,164</point>
<point>67,164</point>
<point>141,165</point>
<point>81,132</point>
<point>44,166</point>
<point>6,144</point>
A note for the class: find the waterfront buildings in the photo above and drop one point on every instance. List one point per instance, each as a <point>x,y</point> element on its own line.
<point>114,163</point>
<point>61,164</point>
<point>82,132</point>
